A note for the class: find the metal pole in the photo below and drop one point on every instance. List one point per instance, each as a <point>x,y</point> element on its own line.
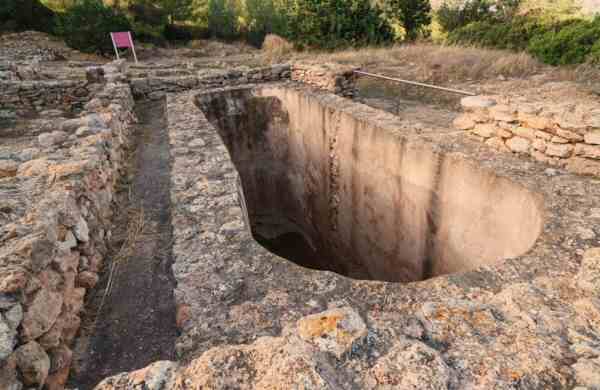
<point>415,83</point>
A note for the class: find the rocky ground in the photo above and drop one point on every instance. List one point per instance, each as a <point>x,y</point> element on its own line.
<point>231,314</point>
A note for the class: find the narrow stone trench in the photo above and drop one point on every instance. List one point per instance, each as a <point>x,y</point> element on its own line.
<point>135,322</point>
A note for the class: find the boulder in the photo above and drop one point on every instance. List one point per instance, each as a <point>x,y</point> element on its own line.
<point>41,314</point>
<point>33,362</point>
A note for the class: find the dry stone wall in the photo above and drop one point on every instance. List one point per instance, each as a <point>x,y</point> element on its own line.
<point>52,254</point>
<point>563,135</point>
<point>333,78</point>
<point>40,95</point>
<point>157,87</point>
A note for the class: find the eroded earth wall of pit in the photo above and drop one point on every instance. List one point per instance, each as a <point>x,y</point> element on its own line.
<point>336,179</point>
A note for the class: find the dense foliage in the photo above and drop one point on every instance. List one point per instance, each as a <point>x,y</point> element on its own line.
<point>572,44</point>
<point>25,15</point>
<point>556,39</point>
<point>452,16</point>
<point>222,19</point>
<point>336,23</point>
<point>413,15</point>
<point>86,26</point>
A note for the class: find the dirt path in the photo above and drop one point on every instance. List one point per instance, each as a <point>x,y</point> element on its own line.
<point>136,323</point>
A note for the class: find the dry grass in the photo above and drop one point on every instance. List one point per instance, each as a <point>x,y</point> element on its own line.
<point>435,63</point>
<point>135,229</point>
<point>276,48</point>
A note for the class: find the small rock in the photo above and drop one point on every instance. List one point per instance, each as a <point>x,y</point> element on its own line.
<point>53,138</point>
<point>410,364</point>
<point>33,362</point>
<point>589,151</point>
<point>525,132</point>
<point>60,357</point>
<point>559,150</point>
<point>464,122</point>
<point>518,145</point>
<point>95,74</point>
<point>8,168</point>
<point>587,372</point>
<point>497,143</point>
<point>485,130</point>
<point>337,331</point>
<point>69,242</point>
<point>593,137</point>
<point>8,339</point>
<point>81,230</point>
<point>87,279</point>
<point>583,166</point>
<point>28,154</point>
<point>476,102</point>
<point>14,316</point>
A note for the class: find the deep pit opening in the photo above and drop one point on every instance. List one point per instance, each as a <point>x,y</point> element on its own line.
<point>331,190</point>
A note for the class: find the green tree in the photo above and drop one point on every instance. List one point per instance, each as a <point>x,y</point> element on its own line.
<point>86,26</point>
<point>454,15</point>
<point>264,17</point>
<point>222,19</point>
<point>334,23</point>
<point>176,10</point>
<point>413,15</point>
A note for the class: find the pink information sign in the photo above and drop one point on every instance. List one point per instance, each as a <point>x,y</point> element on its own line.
<point>122,39</point>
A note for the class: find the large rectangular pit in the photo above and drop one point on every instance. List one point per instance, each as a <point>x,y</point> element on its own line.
<point>333,191</point>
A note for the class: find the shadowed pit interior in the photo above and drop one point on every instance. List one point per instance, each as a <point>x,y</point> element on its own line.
<point>330,190</point>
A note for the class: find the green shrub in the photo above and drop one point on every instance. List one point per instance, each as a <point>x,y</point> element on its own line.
<point>263,17</point>
<point>148,34</point>
<point>223,19</point>
<point>174,32</point>
<point>86,26</point>
<point>594,56</point>
<point>452,16</point>
<point>512,35</point>
<point>330,24</point>
<point>413,15</point>
<point>571,44</point>
<point>26,15</point>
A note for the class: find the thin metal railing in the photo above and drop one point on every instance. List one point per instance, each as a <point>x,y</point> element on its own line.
<point>360,72</point>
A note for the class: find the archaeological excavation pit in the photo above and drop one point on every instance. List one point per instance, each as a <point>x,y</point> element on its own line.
<point>327,189</point>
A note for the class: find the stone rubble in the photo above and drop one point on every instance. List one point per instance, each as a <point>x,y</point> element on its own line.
<point>560,134</point>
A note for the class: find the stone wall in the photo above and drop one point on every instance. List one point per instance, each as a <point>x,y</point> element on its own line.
<point>563,135</point>
<point>333,78</point>
<point>157,87</point>
<point>52,255</point>
<point>40,95</point>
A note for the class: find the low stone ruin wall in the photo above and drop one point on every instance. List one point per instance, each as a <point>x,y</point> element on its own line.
<point>329,77</point>
<point>157,87</point>
<point>333,78</point>
<point>563,135</point>
<point>52,255</point>
<point>41,95</point>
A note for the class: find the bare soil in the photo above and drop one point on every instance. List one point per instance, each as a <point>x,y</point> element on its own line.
<point>135,324</point>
